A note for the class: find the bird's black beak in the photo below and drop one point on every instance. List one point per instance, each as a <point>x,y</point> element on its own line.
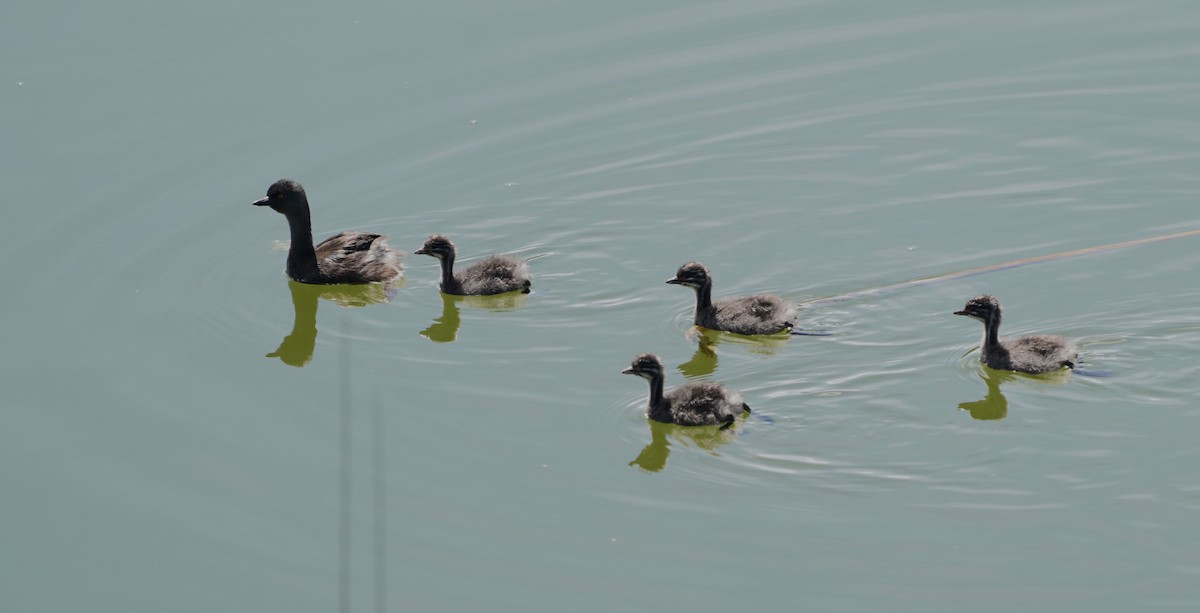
<point>964,312</point>
<point>264,201</point>
<point>674,281</point>
<point>629,371</point>
<point>421,251</point>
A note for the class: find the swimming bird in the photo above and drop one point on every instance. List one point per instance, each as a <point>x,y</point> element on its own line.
<point>494,274</point>
<point>349,257</point>
<point>757,314</point>
<point>696,403</point>
<point>1036,354</point>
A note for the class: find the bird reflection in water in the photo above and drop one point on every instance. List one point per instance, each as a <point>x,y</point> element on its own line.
<point>704,361</point>
<point>994,405</point>
<point>444,329</point>
<point>653,457</point>
<point>297,347</point>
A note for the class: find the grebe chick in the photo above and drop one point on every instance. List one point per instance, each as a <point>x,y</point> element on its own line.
<point>757,314</point>
<point>1036,354</point>
<point>349,257</point>
<point>494,274</point>
<point>696,403</point>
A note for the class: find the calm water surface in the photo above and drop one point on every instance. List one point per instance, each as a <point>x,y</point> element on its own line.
<point>185,430</point>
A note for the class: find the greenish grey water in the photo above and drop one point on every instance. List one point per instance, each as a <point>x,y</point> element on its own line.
<point>435,455</point>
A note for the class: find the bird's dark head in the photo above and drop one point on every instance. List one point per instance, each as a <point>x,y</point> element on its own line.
<point>984,308</point>
<point>437,246</point>
<point>692,274</point>
<point>646,365</point>
<point>285,196</point>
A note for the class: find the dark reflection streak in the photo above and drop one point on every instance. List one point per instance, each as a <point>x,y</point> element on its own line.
<point>380,512</point>
<point>344,443</point>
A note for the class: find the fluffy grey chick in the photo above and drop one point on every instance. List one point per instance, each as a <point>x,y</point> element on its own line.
<point>494,274</point>
<point>757,314</point>
<point>1036,354</point>
<point>696,403</point>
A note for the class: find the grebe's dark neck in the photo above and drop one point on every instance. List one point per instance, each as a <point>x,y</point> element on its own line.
<point>991,332</point>
<point>656,396</point>
<point>302,257</point>
<point>703,298</point>
<point>450,285</point>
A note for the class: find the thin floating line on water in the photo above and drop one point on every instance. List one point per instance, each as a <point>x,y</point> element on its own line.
<point>1062,255</point>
